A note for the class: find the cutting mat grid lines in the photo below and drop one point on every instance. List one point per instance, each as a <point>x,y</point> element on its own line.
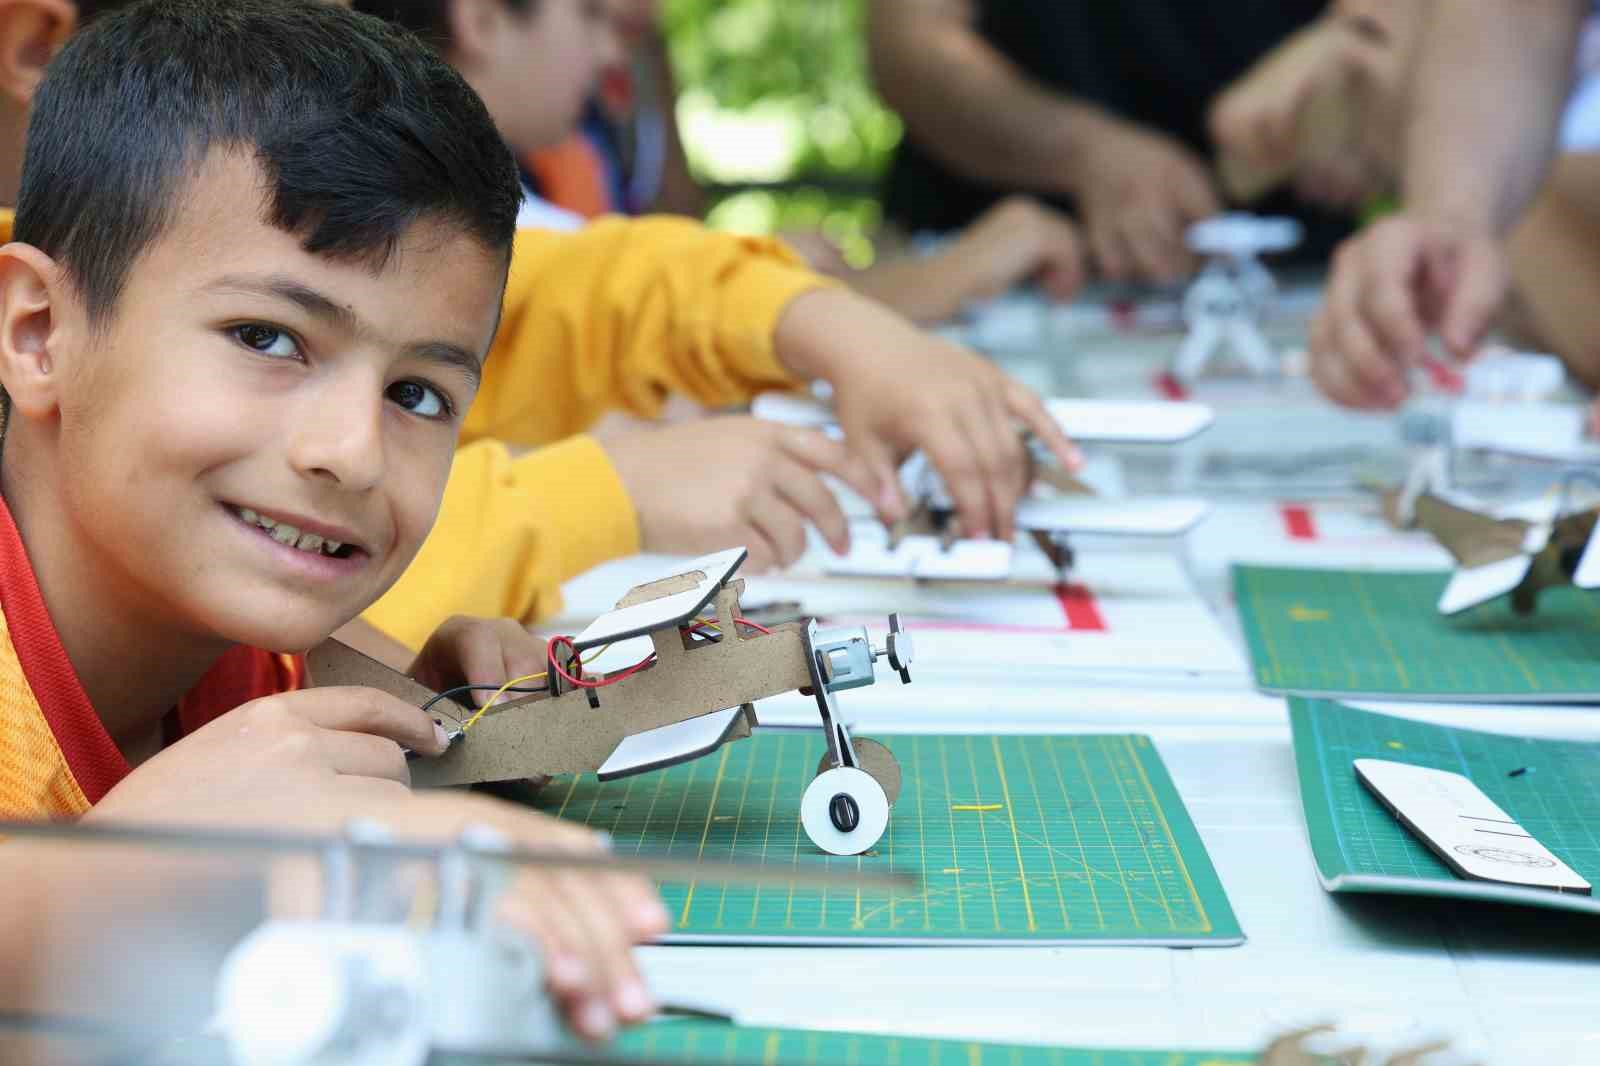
<point>1013,838</point>
<point>1556,797</point>
<point>713,1042</point>
<point>1342,632</point>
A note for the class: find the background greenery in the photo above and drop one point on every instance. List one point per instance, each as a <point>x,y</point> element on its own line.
<point>777,114</point>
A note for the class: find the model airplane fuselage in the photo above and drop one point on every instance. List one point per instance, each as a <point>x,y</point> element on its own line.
<point>929,543</point>
<point>1498,555</point>
<point>694,694</point>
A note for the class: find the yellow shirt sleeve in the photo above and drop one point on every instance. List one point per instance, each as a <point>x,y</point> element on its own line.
<point>510,530</point>
<point>625,311</point>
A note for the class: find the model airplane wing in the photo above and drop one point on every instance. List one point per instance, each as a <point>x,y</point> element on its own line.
<point>1476,540</point>
<point>669,745</point>
<point>669,601</point>
<point>1470,586</point>
<point>1587,574</point>
<point>1107,422</point>
<point>1098,515</point>
<point>1086,421</point>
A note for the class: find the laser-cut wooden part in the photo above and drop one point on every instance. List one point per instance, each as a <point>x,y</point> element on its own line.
<point>1505,556</point>
<point>695,695</point>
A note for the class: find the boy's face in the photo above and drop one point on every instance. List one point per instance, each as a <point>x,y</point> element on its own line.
<point>240,382</point>
<point>542,67</point>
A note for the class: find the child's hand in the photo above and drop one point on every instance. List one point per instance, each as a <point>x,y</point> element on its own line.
<point>898,389</point>
<point>586,923</point>
<point>702,486</point>
<point>1016,240</point>
<point>477,651</point>
<point>284,745</point>
<point>313,760</point>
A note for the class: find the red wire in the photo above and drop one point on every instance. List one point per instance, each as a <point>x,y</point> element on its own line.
<point>609,679</point>
<point>612,679</point>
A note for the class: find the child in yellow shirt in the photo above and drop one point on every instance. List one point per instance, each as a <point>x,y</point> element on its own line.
<point>259,256</point>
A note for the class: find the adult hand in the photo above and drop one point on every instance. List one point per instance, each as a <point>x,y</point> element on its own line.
<point>1137,193</point>
<point>1391,285</point>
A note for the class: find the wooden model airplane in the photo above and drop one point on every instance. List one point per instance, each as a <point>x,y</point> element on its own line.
<point>694,694</point>
<point>1518,552</point>
<point>1225,303</point>
<point>928,544</point>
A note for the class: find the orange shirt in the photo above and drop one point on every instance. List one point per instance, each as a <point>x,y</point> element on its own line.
<point>56,758</point>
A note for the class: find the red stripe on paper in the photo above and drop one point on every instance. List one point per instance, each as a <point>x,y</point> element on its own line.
<point>1297,522</point>
<point>1077,603</point>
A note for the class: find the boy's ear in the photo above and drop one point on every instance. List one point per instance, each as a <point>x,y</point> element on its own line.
<point>29,289</point>
<point>31,33</point>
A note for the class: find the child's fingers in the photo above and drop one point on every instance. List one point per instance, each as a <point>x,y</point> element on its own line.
<point>779,524</point>
<point>806,493</point>
<point>598,910</point>
<point>351,709</point>
<point>537,906</point>
<point>363,755</point>
<point>821,452</point>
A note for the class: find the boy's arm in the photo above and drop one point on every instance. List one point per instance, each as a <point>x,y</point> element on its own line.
<point>626,311</point>
<point>510,530</point>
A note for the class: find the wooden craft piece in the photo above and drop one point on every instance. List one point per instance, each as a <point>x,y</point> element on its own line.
<point>695,693</point>
<point>1464,828</point>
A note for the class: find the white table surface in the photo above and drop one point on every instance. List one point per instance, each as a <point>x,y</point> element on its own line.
<point>1517,986</point>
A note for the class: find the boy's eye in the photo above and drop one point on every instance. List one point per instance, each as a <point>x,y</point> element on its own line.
<point>419,399</point>
<point>267,340</point>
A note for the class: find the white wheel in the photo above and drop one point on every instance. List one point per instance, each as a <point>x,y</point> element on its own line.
<point>844,811</point>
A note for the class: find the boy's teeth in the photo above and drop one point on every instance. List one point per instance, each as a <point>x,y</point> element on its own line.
<point>290,536</point>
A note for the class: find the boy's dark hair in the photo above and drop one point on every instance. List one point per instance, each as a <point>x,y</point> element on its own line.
<point>359,130</point>
<point>428,19</point>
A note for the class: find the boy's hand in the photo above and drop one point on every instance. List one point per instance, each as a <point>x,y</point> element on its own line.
<point>897,389</point>
<point>478,651</point>
<point>314,760</point>
<point>711,484</point>
<point>283,744</point>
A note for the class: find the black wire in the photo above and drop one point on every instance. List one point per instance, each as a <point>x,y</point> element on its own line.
<point>461,690</point>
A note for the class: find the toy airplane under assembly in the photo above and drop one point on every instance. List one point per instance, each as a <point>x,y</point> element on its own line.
<point>1518,552</point>
<point>1225,303</point>
<point>694,694</point>
<point>929,545</point>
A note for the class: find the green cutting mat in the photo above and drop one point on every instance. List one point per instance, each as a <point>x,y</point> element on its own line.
<point>714,1042</point>
<point>1360,847</point>
<point>1375,634</point>
<point>1039,839</point>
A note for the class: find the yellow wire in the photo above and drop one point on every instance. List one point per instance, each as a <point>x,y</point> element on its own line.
<point>541,675</point>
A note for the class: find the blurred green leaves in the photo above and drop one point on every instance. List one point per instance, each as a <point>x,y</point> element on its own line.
<point>777,92</point>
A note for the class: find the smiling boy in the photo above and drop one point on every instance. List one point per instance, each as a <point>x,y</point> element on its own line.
<point>259,256</point>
